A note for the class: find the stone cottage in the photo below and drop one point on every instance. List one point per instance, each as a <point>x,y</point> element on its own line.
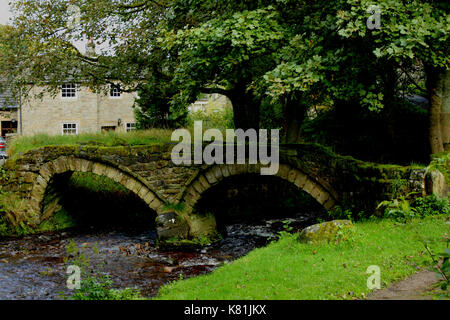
<point>77,109</point>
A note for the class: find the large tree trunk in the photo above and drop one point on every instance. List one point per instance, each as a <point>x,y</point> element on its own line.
<point>294,116</point>
<point>445,111</point>
<point>436,86</point>
<point>246,109</point>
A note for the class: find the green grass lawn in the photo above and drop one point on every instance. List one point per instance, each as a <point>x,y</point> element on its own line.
<point>287,269</point>
<point>109,139</point>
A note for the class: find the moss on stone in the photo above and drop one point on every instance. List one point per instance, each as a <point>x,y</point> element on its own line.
<point>330,231</point>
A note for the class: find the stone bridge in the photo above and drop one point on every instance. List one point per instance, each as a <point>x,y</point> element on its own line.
<point>172,191</point>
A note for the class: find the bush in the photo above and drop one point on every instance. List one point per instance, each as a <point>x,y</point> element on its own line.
<point>431,205</point>
<point>402,210</point>
<point>99,288</point>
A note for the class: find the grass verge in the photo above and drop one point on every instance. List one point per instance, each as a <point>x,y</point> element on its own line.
<point>109,139</point>
<point>288,269</point>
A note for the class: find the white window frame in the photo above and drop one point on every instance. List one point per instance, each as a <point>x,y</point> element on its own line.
<point>128,128</point>
<point>77,127</point>
<point>76,91</point>
<point>111,88</point>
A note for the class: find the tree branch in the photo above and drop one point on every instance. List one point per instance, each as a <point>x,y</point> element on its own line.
<point>215,90</point>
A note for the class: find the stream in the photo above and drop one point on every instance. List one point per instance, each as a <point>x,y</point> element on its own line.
<point>32,267</point>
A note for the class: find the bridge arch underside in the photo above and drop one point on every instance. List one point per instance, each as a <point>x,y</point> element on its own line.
<point>211,179</point>
<point>61,170</point>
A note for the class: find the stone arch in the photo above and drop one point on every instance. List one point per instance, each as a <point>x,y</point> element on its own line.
<point>319,190</point>
<point>72,164</point>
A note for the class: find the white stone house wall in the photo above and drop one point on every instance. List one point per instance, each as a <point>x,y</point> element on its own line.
<point>90,111</point>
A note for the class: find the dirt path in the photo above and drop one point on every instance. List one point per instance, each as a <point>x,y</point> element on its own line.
<point>417,287</point>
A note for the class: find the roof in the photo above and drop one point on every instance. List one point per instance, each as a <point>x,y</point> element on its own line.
<point>417,100</point>
<point>6,100</point>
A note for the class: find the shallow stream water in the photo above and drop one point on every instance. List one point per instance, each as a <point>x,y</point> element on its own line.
<point>33,267</point>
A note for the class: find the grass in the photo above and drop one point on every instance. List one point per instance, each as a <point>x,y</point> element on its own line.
<point>23,144</point>
<point>288,269</point>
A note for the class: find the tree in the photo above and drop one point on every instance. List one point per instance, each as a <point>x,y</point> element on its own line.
<point>410,32</point>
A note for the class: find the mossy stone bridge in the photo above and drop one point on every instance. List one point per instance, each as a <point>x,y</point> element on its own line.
<point>172,191</point>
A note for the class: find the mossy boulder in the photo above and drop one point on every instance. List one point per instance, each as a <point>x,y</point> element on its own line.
<point>170,225</point>
<point>325,232</point>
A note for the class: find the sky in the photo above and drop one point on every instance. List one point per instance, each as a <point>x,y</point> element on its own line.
<point>5,14</point>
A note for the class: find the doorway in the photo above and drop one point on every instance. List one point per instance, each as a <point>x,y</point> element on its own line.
<point>8,127</point>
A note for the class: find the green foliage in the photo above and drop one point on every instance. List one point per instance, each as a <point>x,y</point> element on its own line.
<point>3,176</point>
<point>271,115</point>
<point>398,209</point>
<point>99,288</point>
<point>431,205</point>
<point>61,220</point>
<point>345,234</point>
<point>197,242</point>
<point>344,212</point>
<point>95,183</point>
<point>339,212</point>
<point>218,119</point>
<point>178,207</point>
<point>12,209</point>
<point>154,109</point>
<point>410,30</point>
<point>441,266</point>
<point>402,210</point>
<point>249,50</point>
<point>287,226</point>
<point>441,162</point>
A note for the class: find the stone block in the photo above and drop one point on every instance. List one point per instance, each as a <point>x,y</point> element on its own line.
<point>292,175</point>
<point>300,180</point>
<point>211,178</point>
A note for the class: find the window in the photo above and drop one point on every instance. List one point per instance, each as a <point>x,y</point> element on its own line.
<point>69,128</point>
<point>69,90</point>
<point>131,126</point>
<point>108,128</point>
<point>114,91</point>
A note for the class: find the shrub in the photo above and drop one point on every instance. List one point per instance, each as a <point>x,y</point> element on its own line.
<point>402,210</point>
<point>99,288</point>
<point>431,205</point>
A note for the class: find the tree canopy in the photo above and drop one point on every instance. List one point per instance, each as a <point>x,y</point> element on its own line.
<point>296,52</point>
